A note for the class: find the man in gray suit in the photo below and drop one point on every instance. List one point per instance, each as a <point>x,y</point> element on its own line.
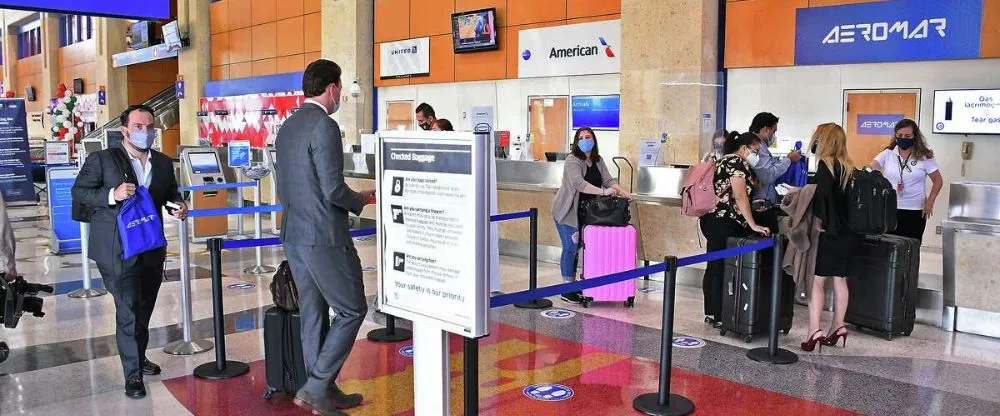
<point>316,236</point>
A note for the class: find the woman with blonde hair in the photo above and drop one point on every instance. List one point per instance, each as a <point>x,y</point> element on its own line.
<point>837,242</point>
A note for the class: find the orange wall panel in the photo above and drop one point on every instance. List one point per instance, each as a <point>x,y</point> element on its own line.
<point>264,41</point>
<point>262,67</point>
<point>761,33</point>
<point>240,45</point>
<point>310,57</point>
<point>289,8</point>
<point>430,17</point>
<point>480,66</point>
<point>588,8</point>
<point>240,70</point>
<point>263,11</point>
<point>593,19</point>
<point>290,36</point>
<point>392,20</point>
<point>990,44</point>
<point>500,5</point>
<point>293,63</point>
<point>220,72</point>
<point>218,17</point>
<point>312,32</point>
<point>442,60</point>
<point>520,12</point>
<point>311,6</point>
<point>239,13</point>
<point>220,48</point>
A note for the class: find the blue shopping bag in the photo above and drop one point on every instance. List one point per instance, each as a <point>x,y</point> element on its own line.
<point>139,225</point>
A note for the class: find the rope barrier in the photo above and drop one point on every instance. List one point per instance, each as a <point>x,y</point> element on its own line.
<point>273,241</point>
<point>215,212</point>
<point>510,216</point>
<point>213,187</point>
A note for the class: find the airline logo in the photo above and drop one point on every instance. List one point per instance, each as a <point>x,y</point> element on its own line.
<point>607,48</point>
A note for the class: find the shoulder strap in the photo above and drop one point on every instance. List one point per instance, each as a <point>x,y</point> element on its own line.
<point>118,155</point>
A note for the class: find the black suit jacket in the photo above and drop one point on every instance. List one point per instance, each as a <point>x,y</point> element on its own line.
<point>99,175</point>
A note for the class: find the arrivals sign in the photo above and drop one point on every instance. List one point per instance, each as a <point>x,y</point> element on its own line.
<point>433,210</point>
<point>580,49</point>
<point>888,31</point>
<point>405,58</point>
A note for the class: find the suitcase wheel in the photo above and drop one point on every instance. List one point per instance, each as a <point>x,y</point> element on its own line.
<point>906,333</point>
<point>587,301</point>
<point>748,338</point>
<point>630,303</point>
<point>785,331</point>
<point>723,332</point>
<point>269,393</point>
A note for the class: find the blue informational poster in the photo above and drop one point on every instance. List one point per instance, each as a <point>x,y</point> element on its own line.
<point>239,153</point>
<point>65,232</point>
<point>15,159</point>
<point>888,31</point>
<point>599,112</point>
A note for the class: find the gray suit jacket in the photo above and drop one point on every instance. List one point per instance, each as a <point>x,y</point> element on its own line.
<point>565,205</point>
<point>309,175</point>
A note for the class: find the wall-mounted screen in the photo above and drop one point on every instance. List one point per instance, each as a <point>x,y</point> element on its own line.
<point>145,9</point>
<point>475,30</point>
<point>967,111</point>
<point>599,112</point>
<point>204,162</point>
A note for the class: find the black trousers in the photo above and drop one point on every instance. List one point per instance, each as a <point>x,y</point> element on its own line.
<point>910,223</point>
<point>717,231</point>
<point>134,285</point>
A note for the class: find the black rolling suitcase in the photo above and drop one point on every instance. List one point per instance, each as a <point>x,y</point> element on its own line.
<point>283,362</point>
<point>746,297</point>
<point>883,285</point>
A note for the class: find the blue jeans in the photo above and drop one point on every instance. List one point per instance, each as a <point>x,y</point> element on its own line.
<point>567,262</point>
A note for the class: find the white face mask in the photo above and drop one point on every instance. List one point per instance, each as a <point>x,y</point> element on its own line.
<point>141,139</point>
<point>753,159</point>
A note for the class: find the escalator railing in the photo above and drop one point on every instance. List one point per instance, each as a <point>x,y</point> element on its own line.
<point>165,108</point>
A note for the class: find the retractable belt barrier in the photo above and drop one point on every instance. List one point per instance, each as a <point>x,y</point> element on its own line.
<point>217,186</point>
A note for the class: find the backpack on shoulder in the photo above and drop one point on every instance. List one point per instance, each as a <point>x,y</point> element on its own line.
<point>698,193</point>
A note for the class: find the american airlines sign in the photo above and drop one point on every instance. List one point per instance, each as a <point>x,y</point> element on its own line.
<point>888,31</point>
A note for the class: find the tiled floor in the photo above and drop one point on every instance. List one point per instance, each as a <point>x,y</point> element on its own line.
<point>66,363</point>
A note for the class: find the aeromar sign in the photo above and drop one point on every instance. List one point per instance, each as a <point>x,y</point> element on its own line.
<point>888,31</point>
<point>143,9</point>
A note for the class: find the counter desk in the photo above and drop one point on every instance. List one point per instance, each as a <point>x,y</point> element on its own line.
<point>971,240</point>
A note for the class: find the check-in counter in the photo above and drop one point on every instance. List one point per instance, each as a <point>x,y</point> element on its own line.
<point>663,230</point>
<point>971,240</point>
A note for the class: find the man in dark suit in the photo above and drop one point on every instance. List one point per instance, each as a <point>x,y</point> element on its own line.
<point>101,187</point>
<point>316,235</point>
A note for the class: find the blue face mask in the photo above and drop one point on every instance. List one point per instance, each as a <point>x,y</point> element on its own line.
<point>141,139</point>
<point>585,145</point>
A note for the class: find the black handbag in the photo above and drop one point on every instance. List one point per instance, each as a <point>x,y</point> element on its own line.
<point>605,210</point>
<point>283,290</point>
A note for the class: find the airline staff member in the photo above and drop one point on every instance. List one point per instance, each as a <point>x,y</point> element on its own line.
<point>907,163</point>
<point>425,116</point>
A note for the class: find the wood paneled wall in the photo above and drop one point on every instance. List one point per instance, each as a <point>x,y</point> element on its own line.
<point>761,33</point>
<point>263,37</point>
<point>77,61</point>
<point>405,19</point>
<point>29,72</point>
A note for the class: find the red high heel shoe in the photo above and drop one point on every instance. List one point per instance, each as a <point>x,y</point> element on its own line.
<point>831,341</point>
<point>810,344</point>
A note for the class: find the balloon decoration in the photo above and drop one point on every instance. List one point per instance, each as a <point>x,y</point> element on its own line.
<point>67,124</point>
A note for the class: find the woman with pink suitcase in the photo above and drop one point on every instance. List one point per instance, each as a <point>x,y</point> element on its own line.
<point>585,176</point>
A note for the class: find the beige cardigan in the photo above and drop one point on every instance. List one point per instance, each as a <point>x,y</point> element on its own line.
<point>564,206</point>
<point>803,236</point>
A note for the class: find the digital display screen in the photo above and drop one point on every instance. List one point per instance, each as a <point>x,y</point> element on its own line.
<point>474,31</point>
<point>967,112</point>
<point>204,162</point>
<point>599,112</point>
<point>145,9</point>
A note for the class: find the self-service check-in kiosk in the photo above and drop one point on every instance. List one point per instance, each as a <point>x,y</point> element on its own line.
<point>202,166</point>
<point>271,159</point>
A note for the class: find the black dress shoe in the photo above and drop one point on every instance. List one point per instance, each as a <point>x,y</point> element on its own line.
<point>150,369</point>
<point>343,400</point>
<point>322,406</point>
<point>134,388</point>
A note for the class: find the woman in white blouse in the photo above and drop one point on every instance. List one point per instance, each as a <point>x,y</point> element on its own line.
<point>907,163</point>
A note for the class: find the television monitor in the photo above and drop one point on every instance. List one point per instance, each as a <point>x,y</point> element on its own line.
<point>171,36</point>
<point>967,111</point>
<point>599,112</point>
<point>29,93</point>
<point>204,162</point>
<point>142,34</point>
<point>474,30</point>
<point>77,85</point>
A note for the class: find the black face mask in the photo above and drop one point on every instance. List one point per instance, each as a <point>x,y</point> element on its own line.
<point>813,148</point>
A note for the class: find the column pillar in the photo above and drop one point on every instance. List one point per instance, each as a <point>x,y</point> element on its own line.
<point>110,39</point>
<point>9,53</point>
<point>668,88</point>
<point>193,63</point>
<point>348,36</point>
<point>50,58</point>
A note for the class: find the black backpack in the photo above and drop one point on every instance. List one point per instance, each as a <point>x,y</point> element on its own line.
<point>871,203</point>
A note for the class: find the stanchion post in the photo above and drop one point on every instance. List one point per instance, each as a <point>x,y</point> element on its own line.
<point>87,291</point>
<point>258,267</point>
<point>533,264</point>
<point>390,333</point>
<point>186,346</point>
<point>662,403</point>
<point>239,218</point>
<point>772,354</point>
<point>470,376</point>
<point>221,368</point>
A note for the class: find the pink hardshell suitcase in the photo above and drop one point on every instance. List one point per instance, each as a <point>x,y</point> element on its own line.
<point>608,250</point>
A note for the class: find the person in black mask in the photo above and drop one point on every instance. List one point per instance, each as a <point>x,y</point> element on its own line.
<point>907,163</point>
<point>425,116</point>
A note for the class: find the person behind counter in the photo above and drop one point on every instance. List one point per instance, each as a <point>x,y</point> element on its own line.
<point>769,168</point>
<point>425,116</point>
<point>585,175</point>
<point>907,163</point>
<point>442,124</point>
<point>733,216</point>
<point>718,143</point>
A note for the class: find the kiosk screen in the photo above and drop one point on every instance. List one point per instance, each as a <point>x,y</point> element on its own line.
<point>204,162</point>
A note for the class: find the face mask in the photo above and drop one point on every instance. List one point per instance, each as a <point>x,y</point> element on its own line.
<point>814,148</point>
<point>585,145</point>
<point>753,159</point>
<point>336,106</point>
<point>140,139</point>
<point>904,144</point>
